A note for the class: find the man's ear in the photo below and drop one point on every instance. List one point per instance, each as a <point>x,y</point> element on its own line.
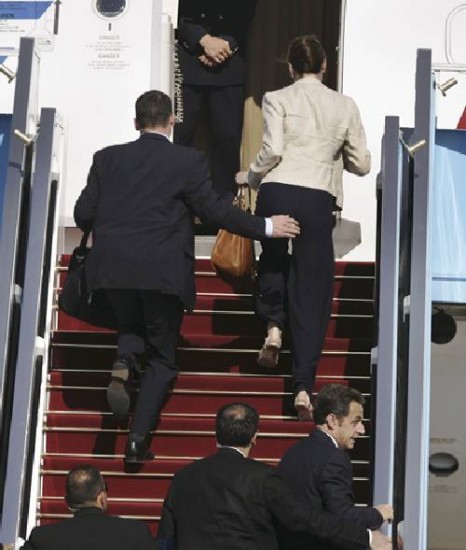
<point>136,125</point>
<point>332,421</point>
<point>254,439</point>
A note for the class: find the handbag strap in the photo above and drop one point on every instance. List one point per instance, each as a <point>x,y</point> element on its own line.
<point>84,239</point>
<point>240,198</point>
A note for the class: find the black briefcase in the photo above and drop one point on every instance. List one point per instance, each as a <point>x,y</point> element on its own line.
<point>76,301</point>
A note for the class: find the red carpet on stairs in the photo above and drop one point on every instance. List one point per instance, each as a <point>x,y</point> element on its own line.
<point>217,354</point>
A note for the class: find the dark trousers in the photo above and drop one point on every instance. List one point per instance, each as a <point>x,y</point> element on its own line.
<point>298,287</point>
<point>224,106</point>
<point>148,322</point>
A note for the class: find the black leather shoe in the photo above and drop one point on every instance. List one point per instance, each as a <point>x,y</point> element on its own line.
<point>137,451</point>
<point>118,391</point>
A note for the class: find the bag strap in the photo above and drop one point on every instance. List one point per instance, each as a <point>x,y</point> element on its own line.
<point>240,198</point>
<point>84,239</point>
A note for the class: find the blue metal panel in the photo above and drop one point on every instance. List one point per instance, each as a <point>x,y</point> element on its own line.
<point>5,126</point>
<point>449,218</point>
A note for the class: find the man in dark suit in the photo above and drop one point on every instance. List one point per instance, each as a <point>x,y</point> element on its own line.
<point>90,528</point>
<point>212,36</point>
<point>319,470</point>
<point>229,501</point>
<point>140,200</point>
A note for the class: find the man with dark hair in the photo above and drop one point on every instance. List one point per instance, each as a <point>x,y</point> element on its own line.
<point>90,527</point>
<point>228,500</point>
<point>319,471</point>
<point>139,201</point>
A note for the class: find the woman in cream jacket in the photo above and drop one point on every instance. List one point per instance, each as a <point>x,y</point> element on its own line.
<point>310,133</point>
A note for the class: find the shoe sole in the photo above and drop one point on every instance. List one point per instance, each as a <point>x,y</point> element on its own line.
<point>135,459</point>
<point>118,398</point>
<point>268,357</point>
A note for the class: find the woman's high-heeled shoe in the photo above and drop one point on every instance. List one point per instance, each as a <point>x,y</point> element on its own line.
<point>303,406</point>
<point>268,355</point>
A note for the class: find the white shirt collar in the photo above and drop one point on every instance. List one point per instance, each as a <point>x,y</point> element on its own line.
<point>155,132</point>
<point>332,438</point>
<point>234,448</point>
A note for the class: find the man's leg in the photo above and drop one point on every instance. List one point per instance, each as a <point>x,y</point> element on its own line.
<point>130,345</point>
<point>163,315</point>
<point>226,108</point>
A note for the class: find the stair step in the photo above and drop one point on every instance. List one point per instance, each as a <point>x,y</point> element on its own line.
<point>214,341</point>
<point>125,507</point>
<point>203,265</point>
<point>199,382</point>
<point>192,401</point>
<point>167,442</point>
<point>343,365</point>
<point>239,323</point>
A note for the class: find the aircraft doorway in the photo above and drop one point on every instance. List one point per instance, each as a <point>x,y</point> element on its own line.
<point>276,23</point>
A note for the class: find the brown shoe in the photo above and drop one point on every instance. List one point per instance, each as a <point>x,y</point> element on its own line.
<point>302,404</point>
<point>118,391</point>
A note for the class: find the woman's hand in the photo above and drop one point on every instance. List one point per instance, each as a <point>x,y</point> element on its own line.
<point>241,178</point>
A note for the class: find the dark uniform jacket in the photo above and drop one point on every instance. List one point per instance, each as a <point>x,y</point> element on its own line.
<point>227,19</point>
<point>140,200</point>
<point>322,476</point>
<point>226,502</point>
<point>91,529</point>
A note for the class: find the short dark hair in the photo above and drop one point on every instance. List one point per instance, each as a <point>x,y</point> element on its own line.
<point>153,108</point>
<point>236,424</point>
<point>306,54</point>
<point>83,485</point>
<point>335,399</point>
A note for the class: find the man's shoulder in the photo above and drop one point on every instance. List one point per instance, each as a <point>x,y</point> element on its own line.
<point>315,449</point>
<point>219,461</point>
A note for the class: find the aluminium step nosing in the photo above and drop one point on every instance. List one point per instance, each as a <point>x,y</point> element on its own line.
<point>168,458</point>
<point>46,515</point>
<point>249,313</point>
<point>284,418</point>
<point>202,416</point>
<point>214,312</point>
<point>184,348</point>
<point>233,375</point>
<point>191,391</point>
<point>200,433</point>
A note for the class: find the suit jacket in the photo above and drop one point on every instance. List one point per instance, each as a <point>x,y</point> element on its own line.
<point>91,529</point>
<point>226,19</point>
<point>140,200</point>
<point>322,476</point>
<point>226,502</point>
<point>310,133</point>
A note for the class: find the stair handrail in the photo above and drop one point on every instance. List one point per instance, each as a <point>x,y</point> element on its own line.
<point>25,442</point>
<point>13,231</point>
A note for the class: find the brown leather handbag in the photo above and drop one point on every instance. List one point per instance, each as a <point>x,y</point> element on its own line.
<point>233,255</point>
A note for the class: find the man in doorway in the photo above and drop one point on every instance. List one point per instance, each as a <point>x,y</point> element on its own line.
<point>229,500</point>
<point>319,471</point>
<point>90,527</point>
<point>212,38</point>
<point>139,201</point>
